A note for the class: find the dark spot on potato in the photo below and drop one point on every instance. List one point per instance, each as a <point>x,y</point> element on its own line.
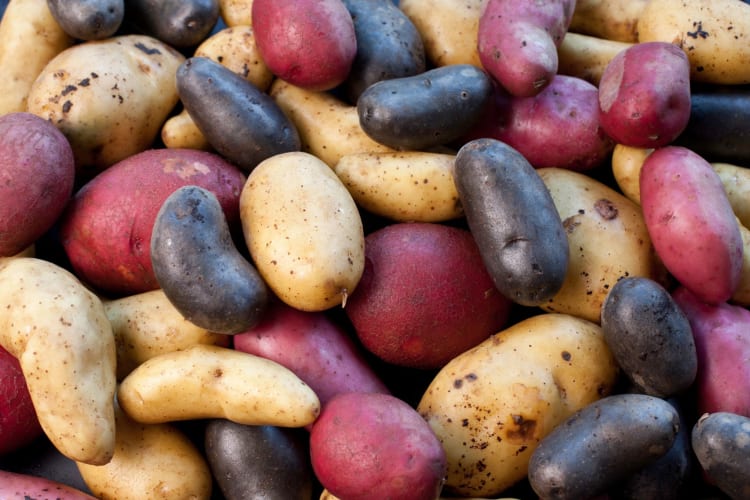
<point>218,372</point>
<point>481,466</point>
<point>520,450</point>
<point>570,223</point>
<point>566,355</point>
<point>146,50</point>
<point>606,209</point>
<point>85,82</point>
<point>66,106</point>
<point>68,89</point>
<point>471,377</point>
<point>458,383</point>
<point>524,428</point>
<point>699,32</point>
<point>465,422</point>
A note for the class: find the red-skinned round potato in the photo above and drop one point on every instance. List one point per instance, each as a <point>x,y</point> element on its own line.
<point>425,295</point>
<point>106,229</point>
<point>308,43</point>
<point>37,171</point>
<point>19,424</point>
<point>26,486</point>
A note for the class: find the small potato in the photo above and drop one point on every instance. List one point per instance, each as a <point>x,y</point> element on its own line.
<point>601,444</point>
<point>626,168</point>
<point>615,20</point>
<point>150,461</point>
<point>206,381</point>
<point>721,442</point>
<point>405,186</point>
<point>303,231</point>
<point>88,19</point>
<point>585,56</point>
<point>182,24</point>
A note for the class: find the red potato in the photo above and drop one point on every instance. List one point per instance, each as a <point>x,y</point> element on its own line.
<point>722,343</point>
<point>425,295</point>
<point>691,222</point>
<point>373,446</point>
<point>22,486</point>
<point>106,229</point>
<point>308,43</point>
<point>37,172</point>
<point>19,424</point>
<point>518,41</point>
<point>559,127</point>
<point>644,95</point>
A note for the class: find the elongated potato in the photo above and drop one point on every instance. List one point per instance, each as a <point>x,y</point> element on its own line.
<point>721,442</point>
<point>59,332</point>
<point>626,168</point>
<point>207,381</point>
<point>615,20</point>
<point>586,56</point>
<point>303,231</point>
<point>236,12</point>
<point>29,38</point>
<point>492,405</point>
<point>403,186</point>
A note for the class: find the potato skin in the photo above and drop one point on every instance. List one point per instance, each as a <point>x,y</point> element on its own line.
<point>37,172</point>
<point>181,24</point>
<point>601,444</point>
<point>88,19</point>
<point>15,485</point>
<point>19,424</point>
<point>649,336</point>
<point>720,442</point>
<point>513,219</point>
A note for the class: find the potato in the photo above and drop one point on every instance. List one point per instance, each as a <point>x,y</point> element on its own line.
<point>106,229</point>
<point>19,424</point>
<point>29,38</point>
<point>741,294</point>
<point>649,336</point>
<point>328,126</point>
<point>426,110</point>
<point>425,295</point>
<point>60,334</point>
<point>37,172</point>
<point>644,95</point>
<point>518,41</point>
<point>311,44</point>
<point>236,12</point>
<point>259,461</point>
<point>513,219</point>
<point>448,29</point>
<point>615,20</point>
<point>88,19</point>
<point>14,485</point>
<point>202,272</point>
<point>736,182</point>
<point>207,381</point>
<point>408,186</point>
<point>601,444</point>
<point>720,441</point>
<point>707,30</point>
<point>691,222</point>
<point>491,405</point>
<point>723,348</point>
<point>627,162</point>
<point>147,324</point>
<point>178,23</point>
<point>75,92</point>
<point>374,446</point>
<point>586,57</point>
<point>150,461</point>
<point>607,237</point>
<point>305,236</point>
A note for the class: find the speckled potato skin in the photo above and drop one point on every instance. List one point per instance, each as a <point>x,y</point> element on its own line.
<point>491,405</point>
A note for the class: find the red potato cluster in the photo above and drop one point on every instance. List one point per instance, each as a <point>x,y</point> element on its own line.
<point>451,353</point>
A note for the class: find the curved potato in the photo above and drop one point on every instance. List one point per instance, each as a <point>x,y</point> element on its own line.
<point>615,20</point>
<point>60,334</point>
<point>586,56</point>
<point>626,168</point>
<point>207,381</point>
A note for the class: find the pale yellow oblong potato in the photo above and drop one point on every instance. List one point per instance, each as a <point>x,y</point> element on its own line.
<point>108,97</point>
<point>491,405</point>
<point>60,334</point>
<point>586,56</point>
<point>328,127</point>
<point>155,461</point>
<point>236,12</point>
<point>29,38</point>
<point>741,294</point>
<point>713,34</point>
<point>610,19</point>
<point>449,29</point>
<point>147,324</point>
<point>405,186</point>
<point>303,230</point>
<point>208,381</point>
<point>607,237</point>
<point>626,169</point>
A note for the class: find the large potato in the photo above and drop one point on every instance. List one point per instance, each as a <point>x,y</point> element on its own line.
<point>109,97</point>
<point>492,405</point>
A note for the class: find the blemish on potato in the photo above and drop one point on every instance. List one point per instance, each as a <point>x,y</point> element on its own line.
<point>606,209</point>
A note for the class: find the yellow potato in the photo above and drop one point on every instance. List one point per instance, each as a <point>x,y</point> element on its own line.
<point>741,295</point>
<point>207,381</point>
<point>303,230</point>
<point>491,405</point>
<point>147,324</point>
<point>109,97</point>
<point>736,181</point>
<point>610,19</point>
<point>150,461</point>
<point>607,237</point>
<point>711,32</point>
<point>236,12</point>
<point>180,131</point>
<point>406,186</point>
<point>29,38</point>
<point>328,127</point>
<point>586,57</point>
<point>626,168</point>
<point>60,334</point>
<point>449,29</point>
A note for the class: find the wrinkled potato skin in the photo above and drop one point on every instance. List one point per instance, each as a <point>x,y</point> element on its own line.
<point>491,405</point>
<point>60,334</point>
<point>586,56</point>
<point>615,20</point>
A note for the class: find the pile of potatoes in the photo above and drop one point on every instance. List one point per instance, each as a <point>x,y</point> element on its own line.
<point>368,249</point>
